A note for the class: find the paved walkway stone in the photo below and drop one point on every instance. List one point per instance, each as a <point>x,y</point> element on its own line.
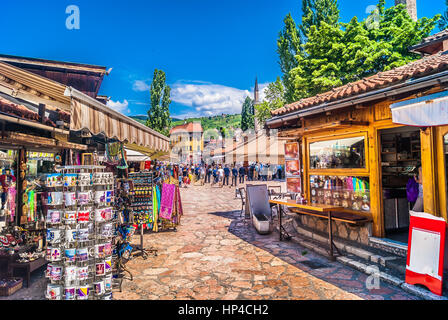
<point>214,254</point>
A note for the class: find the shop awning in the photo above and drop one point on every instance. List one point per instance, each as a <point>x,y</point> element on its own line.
<point>92,115</point>
<point>135,156</point>
<point>427,111</point>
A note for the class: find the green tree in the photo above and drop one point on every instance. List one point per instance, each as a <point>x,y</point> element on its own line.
<point>275,98</point>
<point>159,112</point>
<point>292,37</point>
<point>247,115</point>
<point>334,55</point>
<point>288,47</point>
<point>443,22</point>
<point>316,11</point>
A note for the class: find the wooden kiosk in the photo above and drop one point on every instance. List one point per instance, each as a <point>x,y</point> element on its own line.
<point>349,141</point>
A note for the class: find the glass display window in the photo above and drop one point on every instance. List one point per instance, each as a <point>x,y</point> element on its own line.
<point>343,153</point>
<point>39,163</point>
<point>8,193</point>
<point>352,193</point>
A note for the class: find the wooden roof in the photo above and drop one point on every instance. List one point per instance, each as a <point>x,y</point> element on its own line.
<point>85,78</point>
<point>426,66</point>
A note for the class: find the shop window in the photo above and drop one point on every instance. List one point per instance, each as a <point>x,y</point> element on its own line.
<point>8,191</point>
<point>338,154</point>
<point>39,163</point>
<point>351,193</point>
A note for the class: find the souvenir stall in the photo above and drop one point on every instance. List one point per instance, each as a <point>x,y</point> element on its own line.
<point>170,207</point>
<point>80,217</point>
<point>142,206</point>
<point>124,228</point>
<point>23,243</point>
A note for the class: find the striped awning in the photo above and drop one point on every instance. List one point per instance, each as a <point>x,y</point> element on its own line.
<point>90,114</point>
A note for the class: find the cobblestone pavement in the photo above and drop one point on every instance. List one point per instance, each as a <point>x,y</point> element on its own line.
<point>216,255</point>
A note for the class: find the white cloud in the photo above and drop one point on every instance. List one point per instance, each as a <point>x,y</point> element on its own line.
<point>119,106</point>
<point>140,85</point>
<point>261,88</point>
<point>208,99</point>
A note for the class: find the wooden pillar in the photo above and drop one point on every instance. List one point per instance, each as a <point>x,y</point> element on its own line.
<point>376,194</point>
<point>441,170</point>
<point>429,171</point>
<point>21,164</point>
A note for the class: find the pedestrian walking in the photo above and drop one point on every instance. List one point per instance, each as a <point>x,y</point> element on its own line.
<point>242,173</point>
<point>215,175</point>
<point>256,171</point>
<point>226,175</point>
<point>221,175</point>
<point>209,174</point>
<point>234,176</point>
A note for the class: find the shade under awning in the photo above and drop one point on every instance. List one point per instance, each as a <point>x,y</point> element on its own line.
<point>90,114</point>
<point>427,111</point>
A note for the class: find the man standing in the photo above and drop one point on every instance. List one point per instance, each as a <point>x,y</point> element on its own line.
<point>251,172</point>
<point>208,173</point>
<point>221,175</point>
<point>242,173</point>
<point>256,171</point>
<point>215,175</point>
<point>234,176</point>
<point>226,175</point>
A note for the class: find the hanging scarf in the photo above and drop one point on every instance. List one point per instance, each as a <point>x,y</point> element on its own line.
<point>155,209</point>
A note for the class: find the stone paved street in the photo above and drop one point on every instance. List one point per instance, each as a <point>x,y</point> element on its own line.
<point>215,255</point>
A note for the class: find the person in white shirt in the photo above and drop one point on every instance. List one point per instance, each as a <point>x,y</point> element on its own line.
<point>221,175</point>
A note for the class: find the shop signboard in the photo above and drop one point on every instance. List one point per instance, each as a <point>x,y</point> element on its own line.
<point>426,251</point>
<point>292,168</point>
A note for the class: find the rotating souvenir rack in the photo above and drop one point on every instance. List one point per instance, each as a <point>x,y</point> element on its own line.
<point>142,206</point>
<point>124,230</point>
<point>80,228</point>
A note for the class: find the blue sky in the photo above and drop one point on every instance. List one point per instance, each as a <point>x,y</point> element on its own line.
<point>210,50</point>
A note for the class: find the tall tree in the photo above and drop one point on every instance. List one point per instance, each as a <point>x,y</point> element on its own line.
<point>247,116</point>
<point>316,11</point>
<point>335,55</point>
<point>292,38</point>
<point>288,47</point>
<point>275,93</point>
<point>443,22</point>
<point>159,112</point>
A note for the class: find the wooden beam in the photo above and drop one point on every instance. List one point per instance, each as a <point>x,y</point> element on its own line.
<point>33,141</point>
<point>32,124</point>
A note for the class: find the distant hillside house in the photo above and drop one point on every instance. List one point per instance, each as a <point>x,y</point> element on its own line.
<point>187,143</point>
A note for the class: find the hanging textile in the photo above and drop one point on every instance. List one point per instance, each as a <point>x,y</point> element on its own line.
<point>155,208</point>
<point>115,154</point>
<point>167,202</point>
<point>12,202</point>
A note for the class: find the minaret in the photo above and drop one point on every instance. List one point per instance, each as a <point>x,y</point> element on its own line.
<point>256,92</point>
<point>411,6</point>
<point>258,126</point>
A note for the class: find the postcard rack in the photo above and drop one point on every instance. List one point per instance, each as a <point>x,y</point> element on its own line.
<point>80,227</point>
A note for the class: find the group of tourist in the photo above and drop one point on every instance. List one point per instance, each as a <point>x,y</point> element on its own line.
<point>221,174</point>
<point>228,175</point>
